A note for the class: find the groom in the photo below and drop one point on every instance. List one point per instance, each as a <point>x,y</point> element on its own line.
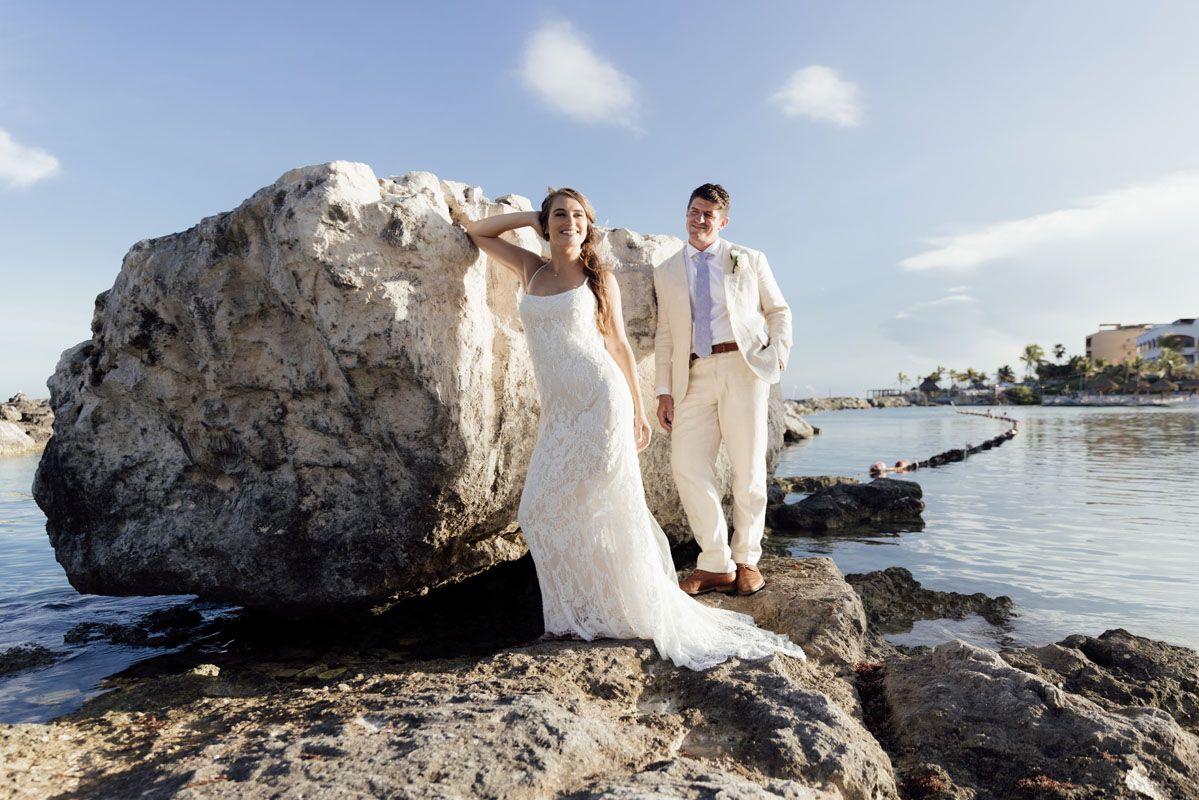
<point>724,332</point>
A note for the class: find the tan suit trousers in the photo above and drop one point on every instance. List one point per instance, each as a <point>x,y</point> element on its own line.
<point>725,401</point>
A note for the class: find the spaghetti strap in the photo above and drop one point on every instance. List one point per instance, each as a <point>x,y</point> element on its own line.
<point>534,275</point>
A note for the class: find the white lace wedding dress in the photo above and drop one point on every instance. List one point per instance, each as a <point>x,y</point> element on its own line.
<point>603,562</point>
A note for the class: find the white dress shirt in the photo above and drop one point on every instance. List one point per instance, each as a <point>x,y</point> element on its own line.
<point>722,328</point>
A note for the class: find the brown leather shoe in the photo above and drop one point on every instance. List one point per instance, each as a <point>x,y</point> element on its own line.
<point>749,579</point>
<point>701,582</point>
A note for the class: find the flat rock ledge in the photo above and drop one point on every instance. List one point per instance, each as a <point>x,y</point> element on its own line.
<point>552,719</point>
<point>611,720</point>
<point>845,504</point>
<point>25,425</point>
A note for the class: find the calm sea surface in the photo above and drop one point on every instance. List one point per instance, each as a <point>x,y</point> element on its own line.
<point>1087,519</point>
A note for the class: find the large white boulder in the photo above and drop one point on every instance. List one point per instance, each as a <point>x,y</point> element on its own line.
<point>320,399</point>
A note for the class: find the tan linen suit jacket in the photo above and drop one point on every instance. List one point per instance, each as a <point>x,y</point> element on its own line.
<point>759,316</point>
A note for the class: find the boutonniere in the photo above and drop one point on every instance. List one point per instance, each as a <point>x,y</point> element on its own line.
<point>736,255</point>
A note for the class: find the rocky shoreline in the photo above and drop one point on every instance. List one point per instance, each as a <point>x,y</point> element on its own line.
<point>354,712</point>
<point>25,425</point>
<point>320,406</point>
<point>811,405</point>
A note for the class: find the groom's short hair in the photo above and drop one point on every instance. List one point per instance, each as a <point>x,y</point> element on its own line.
<point>714,193</point>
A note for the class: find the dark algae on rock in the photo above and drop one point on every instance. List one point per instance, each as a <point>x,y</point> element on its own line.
<point>845,504</point>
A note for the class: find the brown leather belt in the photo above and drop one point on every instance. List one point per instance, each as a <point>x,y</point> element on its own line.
<point>721,347</point>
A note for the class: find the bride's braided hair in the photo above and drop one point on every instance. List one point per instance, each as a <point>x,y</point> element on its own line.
<point>593,268</point>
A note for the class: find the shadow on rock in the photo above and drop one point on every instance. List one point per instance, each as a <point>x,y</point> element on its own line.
<point>255,652</point>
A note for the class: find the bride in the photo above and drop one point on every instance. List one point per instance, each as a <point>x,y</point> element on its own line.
<point>603,563</point>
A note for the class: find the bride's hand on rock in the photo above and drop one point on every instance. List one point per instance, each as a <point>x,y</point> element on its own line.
<point>642,432</point>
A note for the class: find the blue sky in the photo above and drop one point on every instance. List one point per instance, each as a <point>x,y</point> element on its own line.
<point>933,182</point>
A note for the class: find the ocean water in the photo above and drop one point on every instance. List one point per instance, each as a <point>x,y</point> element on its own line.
<point>38,606</point>
<point>1087,519</point>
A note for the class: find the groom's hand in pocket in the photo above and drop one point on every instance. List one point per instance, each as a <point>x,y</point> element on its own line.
<point>665,411</point>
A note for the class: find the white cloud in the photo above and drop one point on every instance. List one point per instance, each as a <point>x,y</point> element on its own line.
<point>561,69</point>
<point>1143,210</point>
<point>23,166</point>
<point>947,300</point>
<point>820,93</point>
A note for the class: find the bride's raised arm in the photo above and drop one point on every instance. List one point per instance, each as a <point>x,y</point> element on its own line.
<point>485,233</point>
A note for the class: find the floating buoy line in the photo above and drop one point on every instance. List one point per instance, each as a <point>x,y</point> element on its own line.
<point>958,454</point>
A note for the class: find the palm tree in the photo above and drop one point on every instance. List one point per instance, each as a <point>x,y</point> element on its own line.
<point>1032,357</point>
<point>1005,374</point>
<point>954,377</point>
<point>1171,362</point>
<point>1169,341</point>
<point>901,379</point>
<point>1133,366</point>
<point>937,374</point>
<point>1059,352</point>
<point>1084,367</point>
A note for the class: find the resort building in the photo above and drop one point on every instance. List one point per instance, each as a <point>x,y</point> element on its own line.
<point>1187,332</point>
<point>1114,343</point>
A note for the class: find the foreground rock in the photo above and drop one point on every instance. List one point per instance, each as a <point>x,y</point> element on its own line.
<point>842,505</point>
<point>810,601</point>
<point>611,720</point>
<point>984,729</point>
<point>548,721</point>
<point>25,425</point>
<point>320,399</point>
<point>605,719</point>
<point>1119,669</point>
